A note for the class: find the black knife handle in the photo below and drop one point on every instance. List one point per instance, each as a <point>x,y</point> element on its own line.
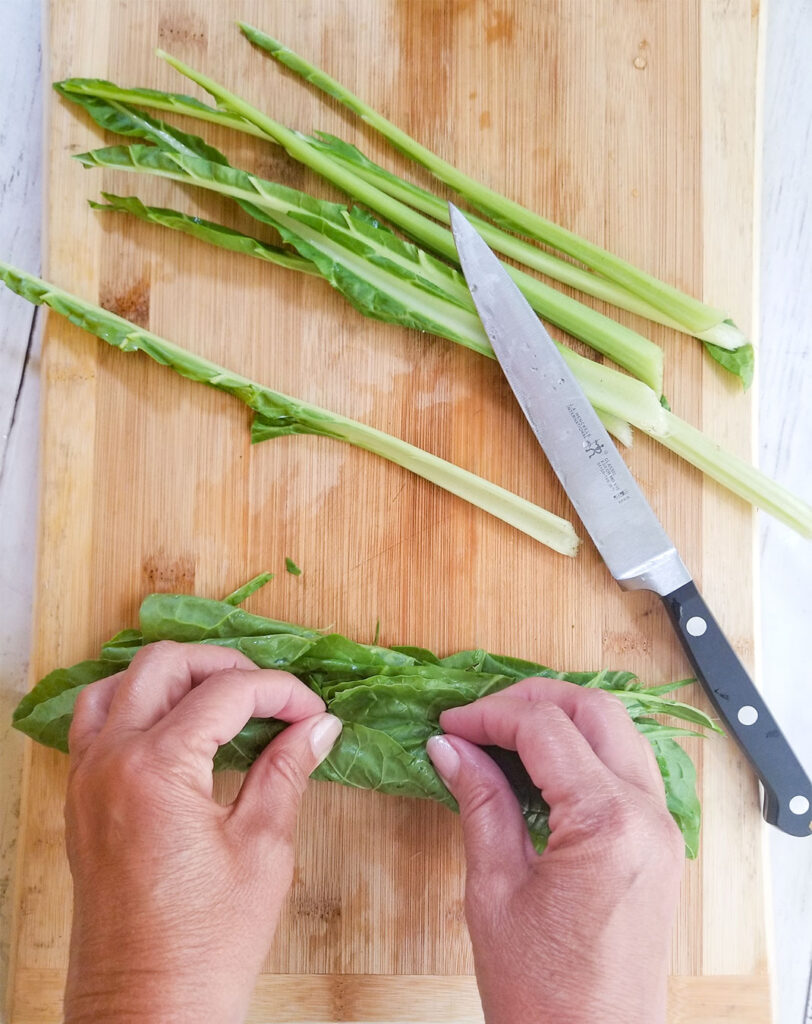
<point>787,789</point>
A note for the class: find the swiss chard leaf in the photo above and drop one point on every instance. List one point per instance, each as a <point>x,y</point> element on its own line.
<point>389,699</point>
<point>206,231</point>
<point>45,712</point>
<point>368,758</point>
<point>740,361</point>
<point>679,776</point>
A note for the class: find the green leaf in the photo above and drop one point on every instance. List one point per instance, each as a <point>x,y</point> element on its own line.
<point>740,361</point>
<point>124,119</point>
<point>45,712</point>
<point>191,619</point>
<point>645,703</point>
<point>679,776</point>
<point>279,650</point>
<point>292,567</point>
<point>123,646</point>
<point>206,231</point>
<point>367,758</point>
<point>240,752</point>
<point>241,594</point>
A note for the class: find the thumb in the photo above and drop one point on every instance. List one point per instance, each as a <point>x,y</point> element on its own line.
<point>495,834</point>
<point>272,792</point>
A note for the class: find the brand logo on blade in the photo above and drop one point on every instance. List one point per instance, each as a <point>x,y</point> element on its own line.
<point>593,448</point>
<point>604,464</point>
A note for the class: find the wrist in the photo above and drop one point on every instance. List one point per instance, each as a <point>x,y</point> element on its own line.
<point>156,983</point>
<point>148,996</point>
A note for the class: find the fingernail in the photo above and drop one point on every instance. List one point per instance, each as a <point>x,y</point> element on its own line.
<point>323,735</point>
<point>444,757</point>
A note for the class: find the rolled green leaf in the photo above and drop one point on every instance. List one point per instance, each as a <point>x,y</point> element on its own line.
<point>389,699</point>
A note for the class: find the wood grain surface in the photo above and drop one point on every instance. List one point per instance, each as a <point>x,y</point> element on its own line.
<point>611,119</point>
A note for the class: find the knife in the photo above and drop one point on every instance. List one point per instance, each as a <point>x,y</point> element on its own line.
<point>626,532</point>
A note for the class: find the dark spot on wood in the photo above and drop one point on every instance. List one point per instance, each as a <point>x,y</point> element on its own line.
<point>485,119</point>
<point>168,576</point>
<point>182,29</point>
<point>132,303</point>
<point>317,906</point>
<point>624,643</point>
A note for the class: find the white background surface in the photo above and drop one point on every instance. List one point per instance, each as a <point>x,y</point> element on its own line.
<point>785,446</point>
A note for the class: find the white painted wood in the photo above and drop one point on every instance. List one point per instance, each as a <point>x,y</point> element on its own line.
<point>785,451</point>
<point>20,182</point>
<point>785,439</point>
<point>20,218</point>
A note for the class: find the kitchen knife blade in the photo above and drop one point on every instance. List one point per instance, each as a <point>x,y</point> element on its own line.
<point>622,524</point>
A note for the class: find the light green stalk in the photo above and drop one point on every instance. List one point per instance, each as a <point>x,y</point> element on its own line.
<point>315,227</point>
<point>695,315</point>
<point>637,354</point>
<point>277,414</point>
<point>216,234</point>
<point>724,342</point>
<point>736,474</point>
<point>375,270</point>
<point>86,90</point>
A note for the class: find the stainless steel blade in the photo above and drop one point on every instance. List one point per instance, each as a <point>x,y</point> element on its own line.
<point>629,537</point>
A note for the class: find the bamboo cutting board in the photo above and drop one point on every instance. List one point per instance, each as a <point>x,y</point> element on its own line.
<point>633,123</point>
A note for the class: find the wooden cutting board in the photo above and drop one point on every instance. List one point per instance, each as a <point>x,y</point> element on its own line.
<point>633,123</point>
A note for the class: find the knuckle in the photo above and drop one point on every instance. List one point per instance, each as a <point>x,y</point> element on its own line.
<point>156,653</point>
<point>638,830</point>
<point>127,765</point>
<point>543,708</point>
<point>83,699</point>
<point>285,764</point>
<point>479,800</point>
<point>594,698</point>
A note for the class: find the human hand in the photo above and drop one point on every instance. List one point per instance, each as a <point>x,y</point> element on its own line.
<point>581,932</point>
<point>176,898</point>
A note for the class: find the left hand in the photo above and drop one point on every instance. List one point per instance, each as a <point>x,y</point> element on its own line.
<point>176,898</point>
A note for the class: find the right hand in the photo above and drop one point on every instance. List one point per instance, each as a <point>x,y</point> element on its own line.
<point>581,932</point>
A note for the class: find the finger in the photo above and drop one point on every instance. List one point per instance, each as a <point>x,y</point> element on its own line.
<point>497,843</point>
<point>599,716</point>
<point>271,794</point>
<point>159,676</point>
<point>90,713</point>
<point>215,710</point>
<point>557,757</point>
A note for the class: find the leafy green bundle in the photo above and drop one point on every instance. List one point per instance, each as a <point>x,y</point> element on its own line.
<point>389,699</point>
